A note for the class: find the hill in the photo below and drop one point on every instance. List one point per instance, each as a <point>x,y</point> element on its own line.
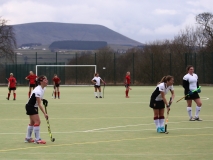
<point>48,32</point>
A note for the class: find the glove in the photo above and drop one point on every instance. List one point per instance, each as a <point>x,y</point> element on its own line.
<point>199,90</point>
<point>45,102</point>
<point>190,93</point>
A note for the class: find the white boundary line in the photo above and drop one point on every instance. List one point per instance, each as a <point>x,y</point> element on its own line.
<point>107,129</point>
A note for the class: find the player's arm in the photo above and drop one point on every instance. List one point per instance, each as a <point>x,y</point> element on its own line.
<point>102,81</point>
<point>27,78</point>
<point>164,98</point>
<point>173,95</point>
<point>41,107</point>
<point>93,81</point>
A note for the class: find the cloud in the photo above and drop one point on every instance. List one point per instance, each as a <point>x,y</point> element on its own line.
<point>140,20</point>
<point>165,11</point>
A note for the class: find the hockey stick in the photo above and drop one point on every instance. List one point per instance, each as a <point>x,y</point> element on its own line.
<point>48,125</point>
<point>188,94</point>
<point>167,117</point>
<point>103,90</point>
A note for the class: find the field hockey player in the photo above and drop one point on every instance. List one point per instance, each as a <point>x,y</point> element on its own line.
<point>158,101</point>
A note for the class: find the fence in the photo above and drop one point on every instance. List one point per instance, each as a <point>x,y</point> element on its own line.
<point>145,68</point>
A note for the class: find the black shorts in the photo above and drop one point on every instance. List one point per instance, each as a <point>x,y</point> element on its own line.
<point>126,85</point>
<point>32,85</point>
<point>12,88</point>
<point>156,104</point>
<point>31,110</point>
<point>195,95</point>
<point>96,86</point>
<point>57,85</point>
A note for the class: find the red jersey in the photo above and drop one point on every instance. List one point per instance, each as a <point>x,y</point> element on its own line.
<point>56,80</point>
<point>12,81</point>
<point>32,78</point>
<point>127,79</point>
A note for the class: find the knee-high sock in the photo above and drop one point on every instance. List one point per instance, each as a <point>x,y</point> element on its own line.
<point>29,131</point>
<point>8,96</point>
<point>189,110</point>
<point>100,94</point>
<point>36,129</point>
<point>156,120</point>
<point>29,93</point>
<point>127,92</point>
<point>55,94</point>
<point>197,111</point>
<point>14,95</point>
<point>58,94</point>
<point>96,94</point>
<point>161,121</point>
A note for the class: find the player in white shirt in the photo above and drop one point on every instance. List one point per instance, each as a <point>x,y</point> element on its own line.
<point>190,83</point>
<point>32,106</point>
<point>158,101</point>
<point>97,84</point>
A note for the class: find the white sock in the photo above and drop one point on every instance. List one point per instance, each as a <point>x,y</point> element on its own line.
<point>189,110</point>
<point>99,93</point>
<point>157,123</point>
<point>161,121</point>
<point>197,111</point>
<point>95,94</point>
<point>29,131</point>
<point>37,132</point>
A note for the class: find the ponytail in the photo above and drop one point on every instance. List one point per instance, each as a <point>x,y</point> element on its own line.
<point>165,79</point>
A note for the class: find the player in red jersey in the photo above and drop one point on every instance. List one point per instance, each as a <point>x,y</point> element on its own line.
<point>11,86</point>
<point>127,84</point>
<point>56,82</point>
<point>32,82</point>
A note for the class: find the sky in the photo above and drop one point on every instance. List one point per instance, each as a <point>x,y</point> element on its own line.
<point>141,20</point>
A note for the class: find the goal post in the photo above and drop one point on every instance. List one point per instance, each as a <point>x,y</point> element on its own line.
<point>69,74</point>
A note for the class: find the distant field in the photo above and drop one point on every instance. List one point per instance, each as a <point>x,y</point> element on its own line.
<point>111,128</point>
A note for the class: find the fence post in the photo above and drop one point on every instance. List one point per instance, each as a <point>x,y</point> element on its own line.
<point>36,58</point>
<point>195,62</point>
<point>56,61</point>
<point>185,59</point>
<point>76,58</point>
<point>95,58</point>
<point>133,64</point>
<point>114,69</point>
<point>170,63</point>
<point>152,67</point>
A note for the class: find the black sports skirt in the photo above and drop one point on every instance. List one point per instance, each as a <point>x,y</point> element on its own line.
<point>156,104</point>
<point>195,95</point>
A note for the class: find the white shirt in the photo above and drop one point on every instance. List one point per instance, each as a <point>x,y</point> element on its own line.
<point>162,87</point>
<point>192,79</point>
<point>98,80</point>
<point>37,92</point>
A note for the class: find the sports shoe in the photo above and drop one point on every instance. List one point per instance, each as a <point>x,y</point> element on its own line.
<point>100,97</point>
<point>14,99</point>
<point>158,130</point>
<point>127,96</point>
<point>162,130</point>
<point>30,140</point>
<point>197,119</point>
<point>58,97</point>
<point>7,98</point>
<point>191,119</point>
<point>40,141</point>
<point>96,97</point>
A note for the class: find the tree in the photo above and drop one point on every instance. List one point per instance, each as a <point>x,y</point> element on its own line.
<point>7,40</point>
<point>206,21</point>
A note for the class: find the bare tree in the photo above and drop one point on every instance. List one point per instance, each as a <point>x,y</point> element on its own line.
<point>7,40</point>
<point>206,21</point>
